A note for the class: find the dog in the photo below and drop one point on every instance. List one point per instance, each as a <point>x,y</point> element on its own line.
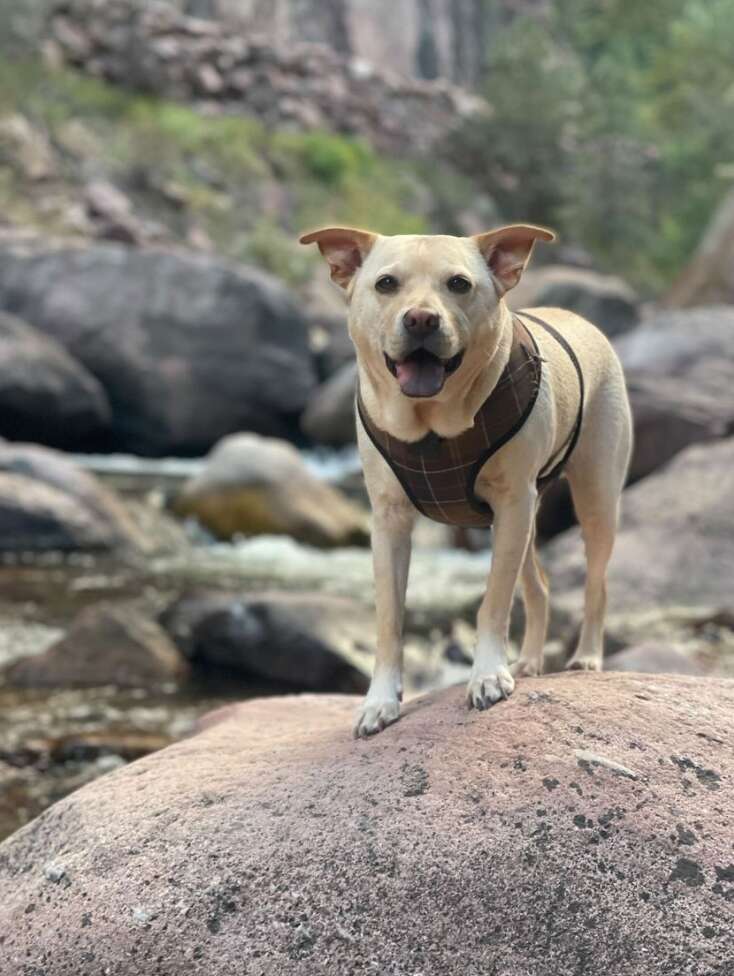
<point>439,354</point>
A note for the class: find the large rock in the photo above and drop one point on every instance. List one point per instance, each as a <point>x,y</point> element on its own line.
<point>605,300</point>
<point>680,374</point>
<point>107,644</point>
<point>709,276</point>
<point>329,416</point>
<point>672,342</point>
<point>45,394</point>
<point>254,485</point>
<point>306,640</point>
<point>48,503</point>
<point>583,826</point>
<point>187,348</point>
<point>676,540</point>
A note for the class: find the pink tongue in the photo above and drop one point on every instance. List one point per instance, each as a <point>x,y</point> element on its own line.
<point>422,377</point>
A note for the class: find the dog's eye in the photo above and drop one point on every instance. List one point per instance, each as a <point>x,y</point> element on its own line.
<point>458,284</point>
<point>387,284</point>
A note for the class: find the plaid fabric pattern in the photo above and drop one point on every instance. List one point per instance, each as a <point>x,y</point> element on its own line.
<point>438,474</point>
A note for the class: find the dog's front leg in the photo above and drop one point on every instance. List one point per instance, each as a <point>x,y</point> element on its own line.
<point>391,532</point>
<point>490,677</point>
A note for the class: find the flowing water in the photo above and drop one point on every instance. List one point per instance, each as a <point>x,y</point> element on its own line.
<point>53,741</point>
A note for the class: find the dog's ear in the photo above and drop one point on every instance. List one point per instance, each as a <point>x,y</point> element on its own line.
<point>507,251</point>
<point>344,249</point>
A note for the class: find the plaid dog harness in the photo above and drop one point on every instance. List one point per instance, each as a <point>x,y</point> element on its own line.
<point>439,474</point>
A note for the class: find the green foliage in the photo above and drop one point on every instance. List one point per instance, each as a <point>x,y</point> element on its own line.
<point>519,154</point>
<point>612,122</point>
<point>328,158</point>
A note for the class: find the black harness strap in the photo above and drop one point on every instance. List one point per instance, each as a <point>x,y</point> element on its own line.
<point>545,479</point>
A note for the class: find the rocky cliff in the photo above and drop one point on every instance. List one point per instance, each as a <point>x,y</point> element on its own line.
<point>242,68</point>
<point>435,39</point>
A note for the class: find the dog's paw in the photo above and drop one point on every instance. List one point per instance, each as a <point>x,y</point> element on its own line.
<point>375,715</point>
<point>584,662</point>
<point>484,690</point>
<point>525,668</point>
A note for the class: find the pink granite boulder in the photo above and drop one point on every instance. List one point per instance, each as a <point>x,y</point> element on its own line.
<point>583,827</point>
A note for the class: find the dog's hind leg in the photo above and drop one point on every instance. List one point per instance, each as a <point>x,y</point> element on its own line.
<point>535,598</point>
<point>597,479</point>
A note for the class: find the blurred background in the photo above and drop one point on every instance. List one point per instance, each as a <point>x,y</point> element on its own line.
<point>182,516</point>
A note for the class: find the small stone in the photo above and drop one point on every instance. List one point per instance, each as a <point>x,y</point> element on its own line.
<point>594,759</point>
<point>54,872</point>
<point>142,916</point>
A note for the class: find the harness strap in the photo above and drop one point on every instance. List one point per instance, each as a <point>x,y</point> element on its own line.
<point>545,479</point>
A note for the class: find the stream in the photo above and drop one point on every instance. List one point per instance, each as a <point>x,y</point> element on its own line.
<point>54,740</point>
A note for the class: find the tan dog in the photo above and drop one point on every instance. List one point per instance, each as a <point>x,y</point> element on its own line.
<point>433,336</point>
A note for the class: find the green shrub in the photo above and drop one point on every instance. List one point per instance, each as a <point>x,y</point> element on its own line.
<point>612,122</point>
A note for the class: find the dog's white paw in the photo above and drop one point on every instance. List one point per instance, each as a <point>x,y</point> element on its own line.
<point>375,715</point>
<point>525,668</point>
<point>484,690</point>
<point>584,662</point>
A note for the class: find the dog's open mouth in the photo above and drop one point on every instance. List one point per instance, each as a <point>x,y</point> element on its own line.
<point>422,374</point>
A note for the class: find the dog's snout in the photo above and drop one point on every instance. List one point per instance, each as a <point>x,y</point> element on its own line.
<point>421,322</point>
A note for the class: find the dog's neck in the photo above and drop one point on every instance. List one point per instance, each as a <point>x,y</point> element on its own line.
<point>454,409</point>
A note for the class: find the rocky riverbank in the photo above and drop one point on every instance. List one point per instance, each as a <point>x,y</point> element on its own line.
<point>183,525</point>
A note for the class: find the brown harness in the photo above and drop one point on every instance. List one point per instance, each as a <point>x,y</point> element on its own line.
<point>439,474</point>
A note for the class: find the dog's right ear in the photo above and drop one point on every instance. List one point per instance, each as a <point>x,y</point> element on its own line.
<point>507,252</point>
<point>344,249</point>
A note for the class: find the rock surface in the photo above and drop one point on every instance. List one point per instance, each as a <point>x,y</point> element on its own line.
<point>306,640</point>
<point>329,416</point>
<point>583,826</point>
<point>255,485</point>
<point>107,644</point>
<point>672,342</point>
<point>676,540</point>
<point>48,503</point>
<point>605,300</point>
<point>188,349</point>
<point>45,394</point>
<point>680,373</point>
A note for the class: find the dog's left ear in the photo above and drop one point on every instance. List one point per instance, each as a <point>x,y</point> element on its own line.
<point>507,251</point>
<point>344,249</point>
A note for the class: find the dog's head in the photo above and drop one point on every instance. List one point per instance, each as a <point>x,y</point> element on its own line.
<point>422,307</point>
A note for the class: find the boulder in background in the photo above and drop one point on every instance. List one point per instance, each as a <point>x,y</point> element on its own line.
<point>329,417</point>
<point>606,300</point>
<point>45,394</point>
<point>260,486</point>
<point>187,348</point>
<point>49,503</point>
<point>107,644</point>
<point>307,640</point>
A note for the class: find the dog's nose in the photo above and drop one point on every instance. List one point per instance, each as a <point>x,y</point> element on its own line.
<point>421,322</point>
